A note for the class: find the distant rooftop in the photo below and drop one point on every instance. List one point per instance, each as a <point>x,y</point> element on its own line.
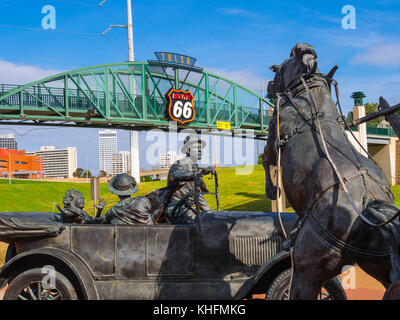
<point>8,135</point>
<point>47,148</point>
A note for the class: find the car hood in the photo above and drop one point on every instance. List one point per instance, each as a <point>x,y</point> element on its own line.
<point>227,242</point>
<point>246,223</point>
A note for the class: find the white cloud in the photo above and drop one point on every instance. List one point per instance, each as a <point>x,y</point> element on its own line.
<point>11,73</point>
<point>237,12</point>
<point>380,55</point>
<point>245,77</point>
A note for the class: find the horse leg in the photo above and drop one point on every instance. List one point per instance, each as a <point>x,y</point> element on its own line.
<point>269,159</point>
<point>391,233</point>
<point>314,264</point>
<point>379,271</point>
<point>303,288</point>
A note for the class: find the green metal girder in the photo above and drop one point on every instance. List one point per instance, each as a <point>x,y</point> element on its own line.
<point>71,103</point>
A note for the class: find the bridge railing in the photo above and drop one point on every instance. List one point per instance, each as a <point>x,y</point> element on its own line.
<point>132,94</point>
<point>377,129</point>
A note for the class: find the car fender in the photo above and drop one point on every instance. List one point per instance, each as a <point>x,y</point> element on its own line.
<point>51,256</point>
<point>277,264</point>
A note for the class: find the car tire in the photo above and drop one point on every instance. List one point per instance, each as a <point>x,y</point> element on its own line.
<point>279,288</point>
<point>27,285</point>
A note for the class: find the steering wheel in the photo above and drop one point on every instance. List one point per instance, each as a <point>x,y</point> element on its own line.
<point>181,202</point>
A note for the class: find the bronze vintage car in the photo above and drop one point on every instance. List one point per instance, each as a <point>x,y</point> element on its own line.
<point>222,255</point>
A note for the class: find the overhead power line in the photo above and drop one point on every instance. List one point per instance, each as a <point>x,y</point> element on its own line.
<point>53,30</point>
<point>77,3</point>
<point>29,131</point>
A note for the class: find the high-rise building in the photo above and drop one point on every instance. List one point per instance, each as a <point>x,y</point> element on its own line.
<point>166,160</point>
<point>7,141</point>
<point>58,163</point>
<point>126,161</point>
<point>121,162</point>
<point>107,147</point>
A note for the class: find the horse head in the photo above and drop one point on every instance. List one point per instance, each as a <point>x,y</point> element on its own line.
<point>302,61</point>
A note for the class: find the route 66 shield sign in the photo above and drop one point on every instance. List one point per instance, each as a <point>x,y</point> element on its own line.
<point>180,106</point>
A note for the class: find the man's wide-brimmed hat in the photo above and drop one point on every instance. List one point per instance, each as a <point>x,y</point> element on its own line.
<point>190,141</point>
<point>123,185</point>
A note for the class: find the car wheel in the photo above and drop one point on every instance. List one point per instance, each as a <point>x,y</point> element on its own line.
<point>29,285</point>
<point>279,289</point>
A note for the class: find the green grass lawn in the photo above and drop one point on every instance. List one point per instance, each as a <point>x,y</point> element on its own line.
<point>237,192</point>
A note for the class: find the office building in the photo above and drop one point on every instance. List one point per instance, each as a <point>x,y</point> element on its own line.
<point>58,163</point>
<point>7,141</point>
<point>166,160</point>
<point>121,162</point>
<point>107,148</point>
<point>17,164</point>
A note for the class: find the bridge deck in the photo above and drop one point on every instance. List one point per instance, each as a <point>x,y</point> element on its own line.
<point>131,96</point>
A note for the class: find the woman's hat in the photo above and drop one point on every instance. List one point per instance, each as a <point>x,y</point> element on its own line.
<point>123,185</point>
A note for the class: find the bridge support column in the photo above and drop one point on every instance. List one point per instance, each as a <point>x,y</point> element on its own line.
<point>135,165</point>
<point>359,112</point>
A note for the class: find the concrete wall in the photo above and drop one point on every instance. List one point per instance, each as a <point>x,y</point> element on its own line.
<point>383,154</point>
<point>385,157</point>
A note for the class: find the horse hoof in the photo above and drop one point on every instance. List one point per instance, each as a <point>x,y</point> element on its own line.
<point>393,292</point>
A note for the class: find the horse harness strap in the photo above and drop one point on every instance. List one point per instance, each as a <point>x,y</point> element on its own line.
<point>320,115</point>
<point>338,245</point>
<point>323,233</point>
<point>306,127</point>
<point>360,214</point>
<point>319,130</point>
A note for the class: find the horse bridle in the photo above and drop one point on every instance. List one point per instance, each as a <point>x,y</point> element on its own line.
<point>311,101</point>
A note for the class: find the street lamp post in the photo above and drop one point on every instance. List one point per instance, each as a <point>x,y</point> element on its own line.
<point>134,136</point>
<point>131,53</point>
<point>9,167</point>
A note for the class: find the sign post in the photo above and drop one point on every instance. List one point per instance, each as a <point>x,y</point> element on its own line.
<point>95,191</point>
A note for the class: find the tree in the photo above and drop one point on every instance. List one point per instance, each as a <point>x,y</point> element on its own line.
<point>146,179</point>
<point>371,108</point>
<point>350,116</point>
<point>78,173</point>
<point>260,159</point>
<point>87,174</point>
<point>103,173</point>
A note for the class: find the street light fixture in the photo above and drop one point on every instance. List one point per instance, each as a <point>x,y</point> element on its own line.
<point>114,26</point>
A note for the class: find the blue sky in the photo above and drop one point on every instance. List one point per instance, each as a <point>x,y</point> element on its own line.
<point>236,39</point>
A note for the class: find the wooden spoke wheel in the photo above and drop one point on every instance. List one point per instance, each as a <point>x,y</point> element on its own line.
<point>29,285</point>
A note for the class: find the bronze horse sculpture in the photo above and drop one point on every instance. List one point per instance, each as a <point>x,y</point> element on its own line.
<point>343,199</point>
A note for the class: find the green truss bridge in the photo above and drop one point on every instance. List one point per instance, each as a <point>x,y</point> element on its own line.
<point>131,95</point>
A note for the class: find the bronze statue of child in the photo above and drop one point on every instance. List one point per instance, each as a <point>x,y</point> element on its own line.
<point>74,203</point>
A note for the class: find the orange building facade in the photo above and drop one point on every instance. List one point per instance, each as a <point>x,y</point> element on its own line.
<point>17,164</point>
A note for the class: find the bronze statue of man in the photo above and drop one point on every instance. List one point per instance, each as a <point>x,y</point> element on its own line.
<point>181,176</point>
